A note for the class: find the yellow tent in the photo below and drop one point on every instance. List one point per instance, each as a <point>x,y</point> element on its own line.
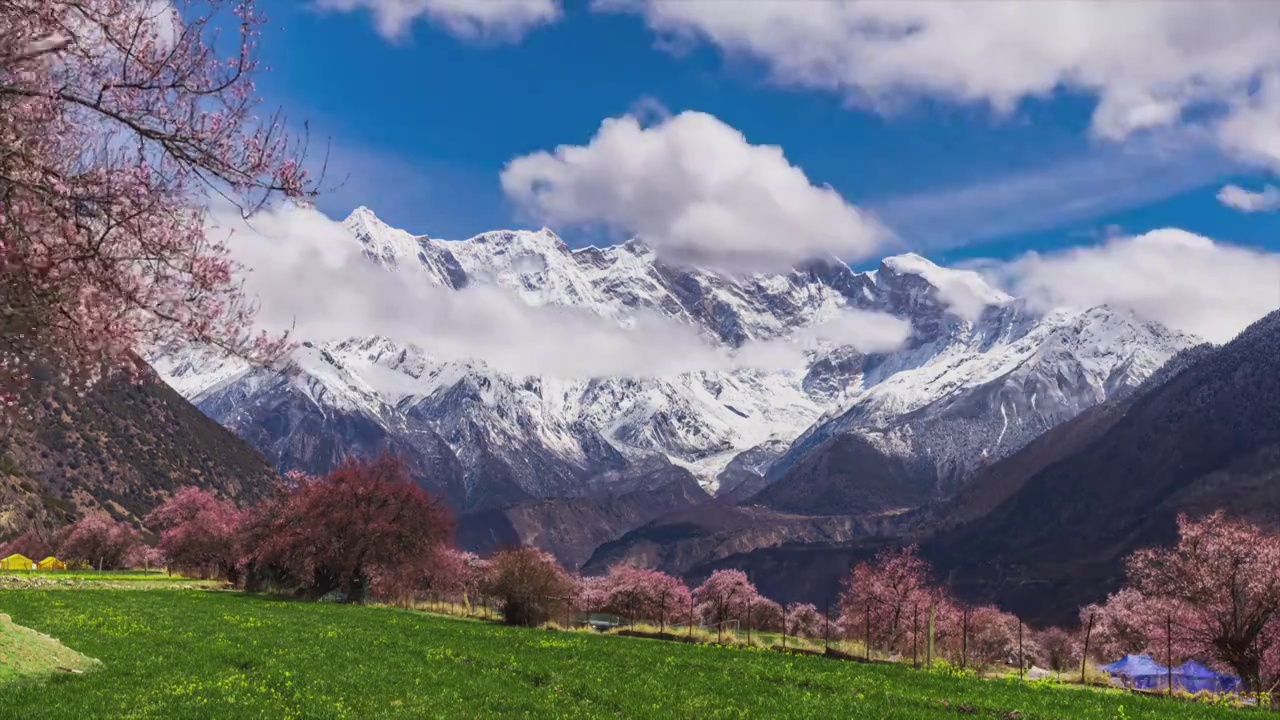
<point>51,563</point>
<point>16,562</point>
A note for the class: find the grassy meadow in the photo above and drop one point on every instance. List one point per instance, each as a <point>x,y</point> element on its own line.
<point>191,653</point>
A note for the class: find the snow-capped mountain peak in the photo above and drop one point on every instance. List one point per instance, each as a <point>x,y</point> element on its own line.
<point>965,292</point>
<point>983,372</point>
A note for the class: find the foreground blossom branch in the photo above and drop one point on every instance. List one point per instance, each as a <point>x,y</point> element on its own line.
<point>119,120</point>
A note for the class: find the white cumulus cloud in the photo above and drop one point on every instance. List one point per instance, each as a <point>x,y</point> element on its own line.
<point>1186,281</point>
<point>1149,63</point>
<point>696,191</point>
<point>308,273</point>
<point>1265,200</point>
<point>508,20</point>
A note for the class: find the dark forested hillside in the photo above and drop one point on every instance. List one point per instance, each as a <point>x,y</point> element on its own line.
<point>1047,529</point>
<point>121,447</point>
<point>572,528</point>
<point>1111,481</point>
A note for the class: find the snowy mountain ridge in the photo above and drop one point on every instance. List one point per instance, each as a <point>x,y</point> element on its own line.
<point>980,375</point>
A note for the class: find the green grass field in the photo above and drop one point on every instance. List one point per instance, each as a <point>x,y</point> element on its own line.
<point>203,654</point>
<point>104,579</point>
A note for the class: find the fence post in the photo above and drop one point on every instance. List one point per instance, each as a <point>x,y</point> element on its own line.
<point>915,635</point>
<point>748,621</point>
<point>1021,663</point>
<point>866,651</point>
<point>1085,656</point>
<point>964,637</point>
<point>826,629</point>
<point>662,615</point>
<point>933,612</point>
<point>1168,649</point>
<point>690,618</point>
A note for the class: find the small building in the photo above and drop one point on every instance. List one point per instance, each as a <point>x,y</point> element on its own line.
<point>51,563</point>
<point>16,562</point>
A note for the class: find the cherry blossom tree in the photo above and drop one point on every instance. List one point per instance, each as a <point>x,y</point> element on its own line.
<point>119,119</point>
<point>725,596</point>
<point>888,593</point>
<point>993,638</point>
<point>32,543</point>
<point>528,585</point>
<point>447,573</point>
<point>1122,625</point>
<point>146,557</point>
<point>591,593</point>
<point>766,615</point>
<point>338,532</point>
<point>804,620</point>
<point>199,533</point>
<point>644,595</point>
<point>98,541</point>
<point>1219,588</point>
<point>1058,649</point>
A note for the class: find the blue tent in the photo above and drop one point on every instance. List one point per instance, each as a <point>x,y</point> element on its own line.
<point>1138,671</point>
<point>1195,677</point>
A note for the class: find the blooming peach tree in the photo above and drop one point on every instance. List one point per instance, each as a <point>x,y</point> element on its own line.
<point>119,120</point>
<point>1216,593</point>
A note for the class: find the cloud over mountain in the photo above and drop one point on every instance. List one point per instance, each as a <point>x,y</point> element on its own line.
<point>1183,280</point>
<point>696,191</point>
<point>308,273</point>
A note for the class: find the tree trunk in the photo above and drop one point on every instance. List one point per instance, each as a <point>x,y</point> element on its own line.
<point>359,588</point>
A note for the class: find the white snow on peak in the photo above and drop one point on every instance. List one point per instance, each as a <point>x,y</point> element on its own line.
<point>703,420</point>
<point>965,291</point>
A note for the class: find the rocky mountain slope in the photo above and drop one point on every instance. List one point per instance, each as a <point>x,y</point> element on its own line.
<point>572,528</point>
<point>1045,531</point>
<point>1207,437</point>
<point>121,448</point>
<point>979,376</point>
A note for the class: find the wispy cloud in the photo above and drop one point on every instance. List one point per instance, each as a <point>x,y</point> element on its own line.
<point>1265,200</point>
<point>1109,179</point>
<point>308,273</point>
<point>1186,281</point>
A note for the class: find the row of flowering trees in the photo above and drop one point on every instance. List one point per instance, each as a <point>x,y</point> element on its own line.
<point>1215,597</point>
<point>95,541</point>
<point>367,529</point>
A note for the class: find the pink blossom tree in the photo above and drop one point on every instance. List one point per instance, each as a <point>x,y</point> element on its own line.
<point>146,557</point>
<point>888,594</point>
<point>644,595</point>
<point>444,573</point>
<point>98,541</point>
<point>766,615</point>
<point>32,543</point>
<point>1219,589</point>
<point>804,620</point>
<point>726,595</point>
<point>1058,649</point>
<point>993,638</point>
<point>1122,625</point>
<point>118,120</point>
<point>362,521</point>
<point>591,593</point>
<point>199,533</point>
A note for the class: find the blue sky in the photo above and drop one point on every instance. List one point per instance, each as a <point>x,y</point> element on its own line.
<point>422,125</point>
